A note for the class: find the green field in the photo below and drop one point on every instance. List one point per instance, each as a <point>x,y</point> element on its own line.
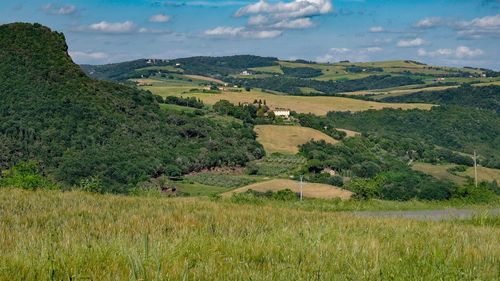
<point>50,235</point>
<point>441,172</point>
<point>338,71</point>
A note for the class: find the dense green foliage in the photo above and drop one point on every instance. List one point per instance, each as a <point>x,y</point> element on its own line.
<point>78,128</point>
<point>302,72</point>
<point>324,125</point>
<point>379,167</point>
<point>222,66</point>
<point>451,127</point>
<point>466,95</point>
<point>118,71</point>
<point>26,175</point>
<point>292,85</point>
<point>189,101</point>
<point>253,196</point>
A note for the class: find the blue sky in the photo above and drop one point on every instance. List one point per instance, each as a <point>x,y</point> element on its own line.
<point>441,32</point>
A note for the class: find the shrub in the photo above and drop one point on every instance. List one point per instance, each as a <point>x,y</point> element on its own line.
<point>92,184</point>
<point>25,175</point>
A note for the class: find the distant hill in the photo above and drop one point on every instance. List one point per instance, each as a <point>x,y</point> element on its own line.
<point>298,77</point>
<point>78,128</point>
<point>487,97</point>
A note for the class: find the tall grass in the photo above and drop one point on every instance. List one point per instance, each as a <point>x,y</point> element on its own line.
<point>50,235</point>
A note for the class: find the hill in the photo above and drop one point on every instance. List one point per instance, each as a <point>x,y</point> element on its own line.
<point>299,77</point>
<point>459,128</point>
<point>487,97</point>
<point>78,129</point>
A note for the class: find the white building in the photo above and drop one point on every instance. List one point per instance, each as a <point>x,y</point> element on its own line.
<point>282,112</point>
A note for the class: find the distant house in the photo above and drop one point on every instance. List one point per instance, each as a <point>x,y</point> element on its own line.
<point>329,171</point>
<point>282,112</point>
<point>246,73</point>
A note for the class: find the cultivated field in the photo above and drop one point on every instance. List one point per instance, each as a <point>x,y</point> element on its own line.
<point>310,190</point>
<point>338,71</point>
<point>50,235</point>
<point>315,105</point>
<point>440,172</point>
<point>286,139</point>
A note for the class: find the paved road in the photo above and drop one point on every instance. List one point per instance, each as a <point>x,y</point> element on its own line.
<point>432,215</point>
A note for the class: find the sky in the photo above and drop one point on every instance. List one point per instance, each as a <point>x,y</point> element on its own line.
<point>439,32</point>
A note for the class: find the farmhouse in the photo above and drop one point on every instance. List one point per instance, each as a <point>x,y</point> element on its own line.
<point>282,112</point>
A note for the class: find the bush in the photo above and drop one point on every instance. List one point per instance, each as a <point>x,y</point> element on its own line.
<point>251,196</point>
<point>485,192</point>
<point>25,175</point>
<point>92,184</point>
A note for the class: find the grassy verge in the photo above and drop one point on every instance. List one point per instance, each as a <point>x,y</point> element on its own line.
<point>49,235</point>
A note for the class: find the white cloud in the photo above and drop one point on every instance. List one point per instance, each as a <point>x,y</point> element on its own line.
<point>270,19</point>
<point>429,22</point>
<point>478,28</point>
<point>77,55</point>
<point>224,31</point>
<point>209,4</point>
<point>337,54</point>
<point>411,43</point>
<point>293,24</point>
<point>113,27</point>
<point>373,50</point>
<point>376,29</point>
<point>293,9</point>
<point>258,20</point>
<point>64,10</point>
<point>159,18</point>
<point>460,53</point>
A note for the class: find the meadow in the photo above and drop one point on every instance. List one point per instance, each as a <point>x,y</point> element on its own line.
<point>319,105</point>
<point>50,235</point>
<point>441,172</point>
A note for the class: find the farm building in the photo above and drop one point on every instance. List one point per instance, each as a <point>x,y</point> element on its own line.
<point>282,112</point>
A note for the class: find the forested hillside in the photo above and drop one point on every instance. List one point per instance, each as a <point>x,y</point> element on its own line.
<point>466,95</point>
<point>453,127</point>
<point>77,129</point>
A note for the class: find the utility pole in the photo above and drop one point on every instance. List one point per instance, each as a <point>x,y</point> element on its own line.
<point>475,168</point>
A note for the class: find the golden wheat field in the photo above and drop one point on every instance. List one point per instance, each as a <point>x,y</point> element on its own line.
<point>317,105</point>
<point>50,235</point>
<point>286,139</point>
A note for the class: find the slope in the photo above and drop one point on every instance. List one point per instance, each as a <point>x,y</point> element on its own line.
<point>77,128</point>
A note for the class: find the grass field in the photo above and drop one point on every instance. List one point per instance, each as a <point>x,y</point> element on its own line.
<point>204,78</point>
<point>286,139</point>
<point>77,236</point>
<point>338,71</point>
<point>440,172</point>
<point>310,190</point>
<point>315,105</point>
